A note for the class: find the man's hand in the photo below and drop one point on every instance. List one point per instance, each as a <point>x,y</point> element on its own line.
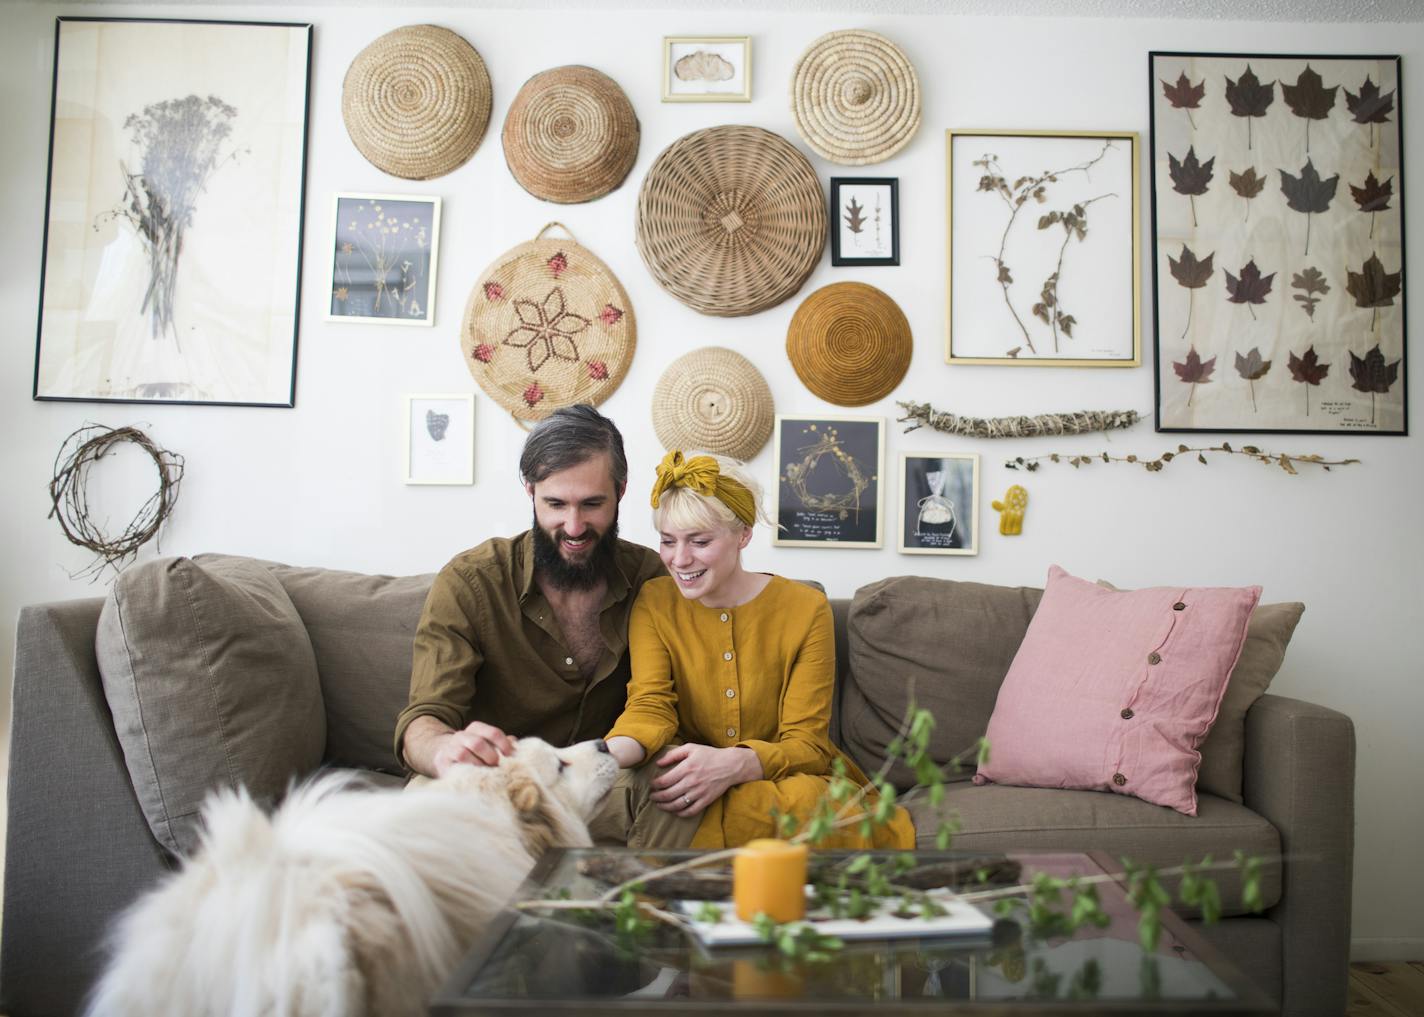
<point>695,776</point>
<point>431,748</point>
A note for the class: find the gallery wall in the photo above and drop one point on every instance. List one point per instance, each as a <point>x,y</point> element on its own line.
<point>321,484</point>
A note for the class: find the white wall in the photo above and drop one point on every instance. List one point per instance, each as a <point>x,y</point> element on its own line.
<point>321,484</point>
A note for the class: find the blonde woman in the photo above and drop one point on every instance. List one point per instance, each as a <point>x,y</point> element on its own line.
<point>733,669</point>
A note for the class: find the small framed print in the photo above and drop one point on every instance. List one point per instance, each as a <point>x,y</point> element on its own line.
<point>865,221</point>
<point>707,68</point>
<point>828,489</point>
<point>384,251</point>
<point>440,439</point>
<point>939,503</point>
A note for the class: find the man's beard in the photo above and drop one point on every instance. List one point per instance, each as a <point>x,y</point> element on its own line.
<point>563,574</point>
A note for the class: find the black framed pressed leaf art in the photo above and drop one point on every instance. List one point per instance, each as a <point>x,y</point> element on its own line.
<point>1278,227</point>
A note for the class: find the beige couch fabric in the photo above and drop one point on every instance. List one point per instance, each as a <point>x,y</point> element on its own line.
<point>212,682</point>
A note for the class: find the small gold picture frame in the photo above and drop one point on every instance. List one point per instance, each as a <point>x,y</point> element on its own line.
<point>707,68</point>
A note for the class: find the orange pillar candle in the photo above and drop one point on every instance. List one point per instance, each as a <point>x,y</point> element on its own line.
<point>770,876</point>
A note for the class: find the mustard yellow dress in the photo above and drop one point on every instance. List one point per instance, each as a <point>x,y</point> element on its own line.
<point>758,676</point>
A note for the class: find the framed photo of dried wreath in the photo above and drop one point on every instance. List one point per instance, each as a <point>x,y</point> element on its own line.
<point>707,68</point>
<point>440,439</point>
<point>865,221</point>
<point>1278,233</point>
<point>384,253</point>
<point>1043,265</point>
<point>173,222</point>
<point>939,503</point>
<point>828,490</point>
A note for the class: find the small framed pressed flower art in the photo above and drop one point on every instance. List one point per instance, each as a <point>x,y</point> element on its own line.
<point>1278,227</point>
<point>828,490</point>
<point>384,252</point>
<point>1043,266</point>
<point>865,221</point>
<point>707,68</point>
<point>939,503</point>
<point>440,439</point>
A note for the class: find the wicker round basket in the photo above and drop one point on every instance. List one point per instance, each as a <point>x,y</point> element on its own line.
<point>849,343</point>
<point>713,400</point>
<point>417,101</point>
<point>856,97</point>
<point>570,135</point>
<point>731,220</point>
<point>547,325</point>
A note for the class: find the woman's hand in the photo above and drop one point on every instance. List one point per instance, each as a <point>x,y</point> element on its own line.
<point>695,776</point>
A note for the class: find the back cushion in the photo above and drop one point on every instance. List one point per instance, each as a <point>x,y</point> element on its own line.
<point>945,644</point>
<point>363,629</point>
<point>212,683</point>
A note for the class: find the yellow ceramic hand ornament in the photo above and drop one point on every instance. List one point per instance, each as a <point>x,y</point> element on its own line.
<point>1011,511</point>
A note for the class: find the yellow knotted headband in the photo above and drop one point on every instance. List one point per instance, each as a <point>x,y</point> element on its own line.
<point>703,475</point>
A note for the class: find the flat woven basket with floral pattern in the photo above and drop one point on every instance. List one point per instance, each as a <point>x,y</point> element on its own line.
<point>548,325</point>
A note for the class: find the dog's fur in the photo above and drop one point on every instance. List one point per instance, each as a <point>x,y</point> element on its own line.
<point>346,901</point>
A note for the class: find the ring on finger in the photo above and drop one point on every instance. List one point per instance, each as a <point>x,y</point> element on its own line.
<point>686,800</point>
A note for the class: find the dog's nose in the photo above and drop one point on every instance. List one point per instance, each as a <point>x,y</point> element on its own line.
<point>601,745</point>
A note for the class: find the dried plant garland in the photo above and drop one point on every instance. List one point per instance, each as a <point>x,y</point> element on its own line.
<point>70,499</point>
<point>1284,460</point>
<point>1079,422</point>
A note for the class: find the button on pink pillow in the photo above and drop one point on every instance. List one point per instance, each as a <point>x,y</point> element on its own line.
<point>1113,690</point>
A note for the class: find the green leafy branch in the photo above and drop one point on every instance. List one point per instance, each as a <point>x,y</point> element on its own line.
<point>1284,460</point>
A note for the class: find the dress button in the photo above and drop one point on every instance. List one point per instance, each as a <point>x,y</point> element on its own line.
<point>1179,606</point>
<point>731,693</point>
<point>1127,715</point>
<point>724,615</point>
<point>727,655</point>
<point>569,661</point>
<point>731,732</point>
<point>1119,779</point>
<point>1154,658</point>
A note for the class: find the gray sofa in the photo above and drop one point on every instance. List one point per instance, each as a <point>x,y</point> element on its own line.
<point>82,844</point>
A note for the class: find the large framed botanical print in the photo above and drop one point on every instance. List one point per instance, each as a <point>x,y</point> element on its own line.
<point>173,223</point>
<point>1278,259</point>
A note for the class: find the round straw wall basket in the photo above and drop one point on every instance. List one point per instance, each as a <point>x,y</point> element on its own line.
<point>713,400</point>
<point>417,101</point>
<point>856,97</point>
<point>570,135</point>
<point>547,325</point>
<point>731,220</point>
<point>849,343</point>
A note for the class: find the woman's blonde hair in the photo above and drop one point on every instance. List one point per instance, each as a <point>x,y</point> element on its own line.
<point>681,508</point>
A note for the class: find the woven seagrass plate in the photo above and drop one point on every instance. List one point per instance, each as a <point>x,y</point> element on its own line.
<point>547,325</point>
<point>417,101</point>
<point>713,400</point>
<point>731,220</point>
<point>849,343</point>
<point>856,97</point>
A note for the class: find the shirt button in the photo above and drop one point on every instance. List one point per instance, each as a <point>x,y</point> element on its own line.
<point>1127,714</point>
<point>727,655</point>
<point>724,616</point>
<point>731,732</point>
<point>1119,779</point>
<point>731,693</point>
<point>1154,658</point>
<point>569,661</point>
<point>1179,606</point>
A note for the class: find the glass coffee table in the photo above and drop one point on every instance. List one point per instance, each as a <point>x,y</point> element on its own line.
<point>534,962</point>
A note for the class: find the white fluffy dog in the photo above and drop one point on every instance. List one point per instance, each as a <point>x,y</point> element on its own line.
<point>346,901</point>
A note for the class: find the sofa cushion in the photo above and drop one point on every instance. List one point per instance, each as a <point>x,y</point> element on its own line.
<point>1114,690</point>
<point>996,817</point>
<point>1267,636</point>
<point>946,645</point>
<point>363,630</point>
<point>212,683</point>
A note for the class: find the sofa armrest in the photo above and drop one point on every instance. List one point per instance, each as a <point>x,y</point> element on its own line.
<point>1300,775</point>
<point>77,847</point>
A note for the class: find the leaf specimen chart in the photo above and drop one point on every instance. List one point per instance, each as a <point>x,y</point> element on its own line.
<point>1278,226</point>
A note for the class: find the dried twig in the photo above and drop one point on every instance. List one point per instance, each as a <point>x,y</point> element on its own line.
<point>1284,460</point>
<point>1080,422</point>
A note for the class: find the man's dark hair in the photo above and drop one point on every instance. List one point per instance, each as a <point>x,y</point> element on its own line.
<point>569,436</point>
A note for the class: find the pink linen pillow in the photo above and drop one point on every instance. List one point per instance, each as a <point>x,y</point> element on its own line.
<point>1114,690</point>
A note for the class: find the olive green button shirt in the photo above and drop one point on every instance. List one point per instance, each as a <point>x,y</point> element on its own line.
<point>488,647</point>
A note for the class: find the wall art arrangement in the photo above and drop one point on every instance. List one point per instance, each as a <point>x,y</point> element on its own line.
<point>939,503</point>
<point>707,68</point>
<point>828,490</point>
<point>1278,218</point>
<point>1042,267</point>
<point>173,224</point>
<point>384,251</point>
<point>865,221</point>
<point>440,439</point>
